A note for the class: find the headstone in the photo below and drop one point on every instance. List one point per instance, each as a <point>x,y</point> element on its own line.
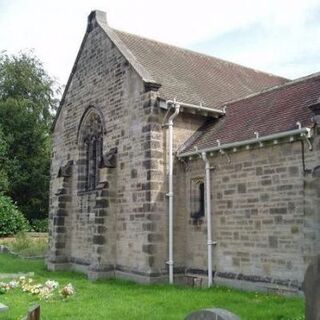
<point>4,249</point>
<point>33,313</point>
<point>311,288</point>
<point>3,307</point>
<point>212,314</point>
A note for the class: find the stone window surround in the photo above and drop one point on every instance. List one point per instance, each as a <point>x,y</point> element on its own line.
<point>197,197</point>
<point>90,145</point>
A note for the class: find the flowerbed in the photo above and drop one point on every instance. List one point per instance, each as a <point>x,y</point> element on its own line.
<point>44,291</point>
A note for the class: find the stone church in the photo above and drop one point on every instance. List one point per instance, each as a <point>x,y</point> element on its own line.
<point>174,166</point>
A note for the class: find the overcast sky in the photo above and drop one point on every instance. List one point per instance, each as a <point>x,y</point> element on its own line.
<point>277,36</point>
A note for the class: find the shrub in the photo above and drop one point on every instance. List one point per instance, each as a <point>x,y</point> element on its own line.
<point>38,225</point>
<point>11,219</point>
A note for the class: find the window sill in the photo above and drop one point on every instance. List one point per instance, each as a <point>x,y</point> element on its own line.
<point>196,221</point>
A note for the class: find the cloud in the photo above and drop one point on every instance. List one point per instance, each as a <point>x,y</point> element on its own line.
<point>276,36</point>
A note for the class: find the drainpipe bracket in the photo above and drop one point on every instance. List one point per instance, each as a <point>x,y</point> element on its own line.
<point>212,243</point>
<point>309,132</point>
<point>309,143</point>
<point>170,194</point>
<point>170,263</point>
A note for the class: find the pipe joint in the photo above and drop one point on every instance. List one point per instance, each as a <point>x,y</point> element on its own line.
<point>204,157</point>
<point>169,124</point>
<point>309,132</point>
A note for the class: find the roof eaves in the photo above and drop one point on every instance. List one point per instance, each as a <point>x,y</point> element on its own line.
<point>303,132</point>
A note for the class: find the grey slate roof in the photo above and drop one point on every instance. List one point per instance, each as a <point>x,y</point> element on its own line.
<point>192,77</point>
<point>185,75</point>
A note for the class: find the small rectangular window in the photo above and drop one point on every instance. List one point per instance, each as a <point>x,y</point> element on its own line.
<point>197,199</point>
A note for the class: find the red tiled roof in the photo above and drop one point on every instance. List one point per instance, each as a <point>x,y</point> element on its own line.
<point>272,111</point>
<point>193,77</point>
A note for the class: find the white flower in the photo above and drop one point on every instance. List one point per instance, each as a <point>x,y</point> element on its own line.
<point>50,284</point>
<point>45,293</point>
<point>13,284</point>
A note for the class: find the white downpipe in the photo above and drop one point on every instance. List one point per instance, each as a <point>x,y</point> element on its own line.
<point>170,191</point>
<point>208,214</point>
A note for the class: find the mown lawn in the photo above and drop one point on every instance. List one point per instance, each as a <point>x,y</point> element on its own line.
<point>111,299</point>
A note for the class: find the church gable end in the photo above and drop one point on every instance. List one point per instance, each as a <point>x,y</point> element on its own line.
<point>106,126</point>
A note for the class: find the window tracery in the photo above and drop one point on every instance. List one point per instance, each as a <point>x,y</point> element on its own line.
<point>91,150</point>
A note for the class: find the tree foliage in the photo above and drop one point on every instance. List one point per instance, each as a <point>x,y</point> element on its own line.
<point>27,105</point>
<point>11,219</point>
<point>3,162</point>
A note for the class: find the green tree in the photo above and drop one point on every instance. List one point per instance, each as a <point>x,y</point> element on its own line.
<point>3,163</point>
<point>27,105</point>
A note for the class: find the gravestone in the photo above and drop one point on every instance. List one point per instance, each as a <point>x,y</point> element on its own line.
<point>212,314</point>
<point>4,249</point>
<point>33,313</point>
<point>311,288</point>
<point>3,307</point>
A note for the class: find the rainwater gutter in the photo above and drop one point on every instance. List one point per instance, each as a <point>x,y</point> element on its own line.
<point>303,132</point>
<point>195,107</point>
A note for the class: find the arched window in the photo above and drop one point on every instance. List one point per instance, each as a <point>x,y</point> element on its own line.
<point>93,160</point>
<point>90,141</point>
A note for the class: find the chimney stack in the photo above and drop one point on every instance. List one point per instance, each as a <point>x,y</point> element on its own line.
<point>95,18</point>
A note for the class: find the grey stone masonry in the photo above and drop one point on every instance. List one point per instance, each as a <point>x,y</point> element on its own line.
<point>265,216</point>
<point>116,228</point>
<point>311,288</point>
<point>108,214</point>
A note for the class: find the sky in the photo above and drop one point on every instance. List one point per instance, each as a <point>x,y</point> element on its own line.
<point>277,36</point>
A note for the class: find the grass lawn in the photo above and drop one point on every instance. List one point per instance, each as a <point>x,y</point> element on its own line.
<point>111,299</point>
<point>27,244</point>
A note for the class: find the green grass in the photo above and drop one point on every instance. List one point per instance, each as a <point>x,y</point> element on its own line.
<point>27,244</point>
<point>111,299</point>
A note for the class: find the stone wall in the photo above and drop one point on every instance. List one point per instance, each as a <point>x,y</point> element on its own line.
<point>157,243</point>
<point>116,228</point>
<point>265,214</point>
<point>260,217</point>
